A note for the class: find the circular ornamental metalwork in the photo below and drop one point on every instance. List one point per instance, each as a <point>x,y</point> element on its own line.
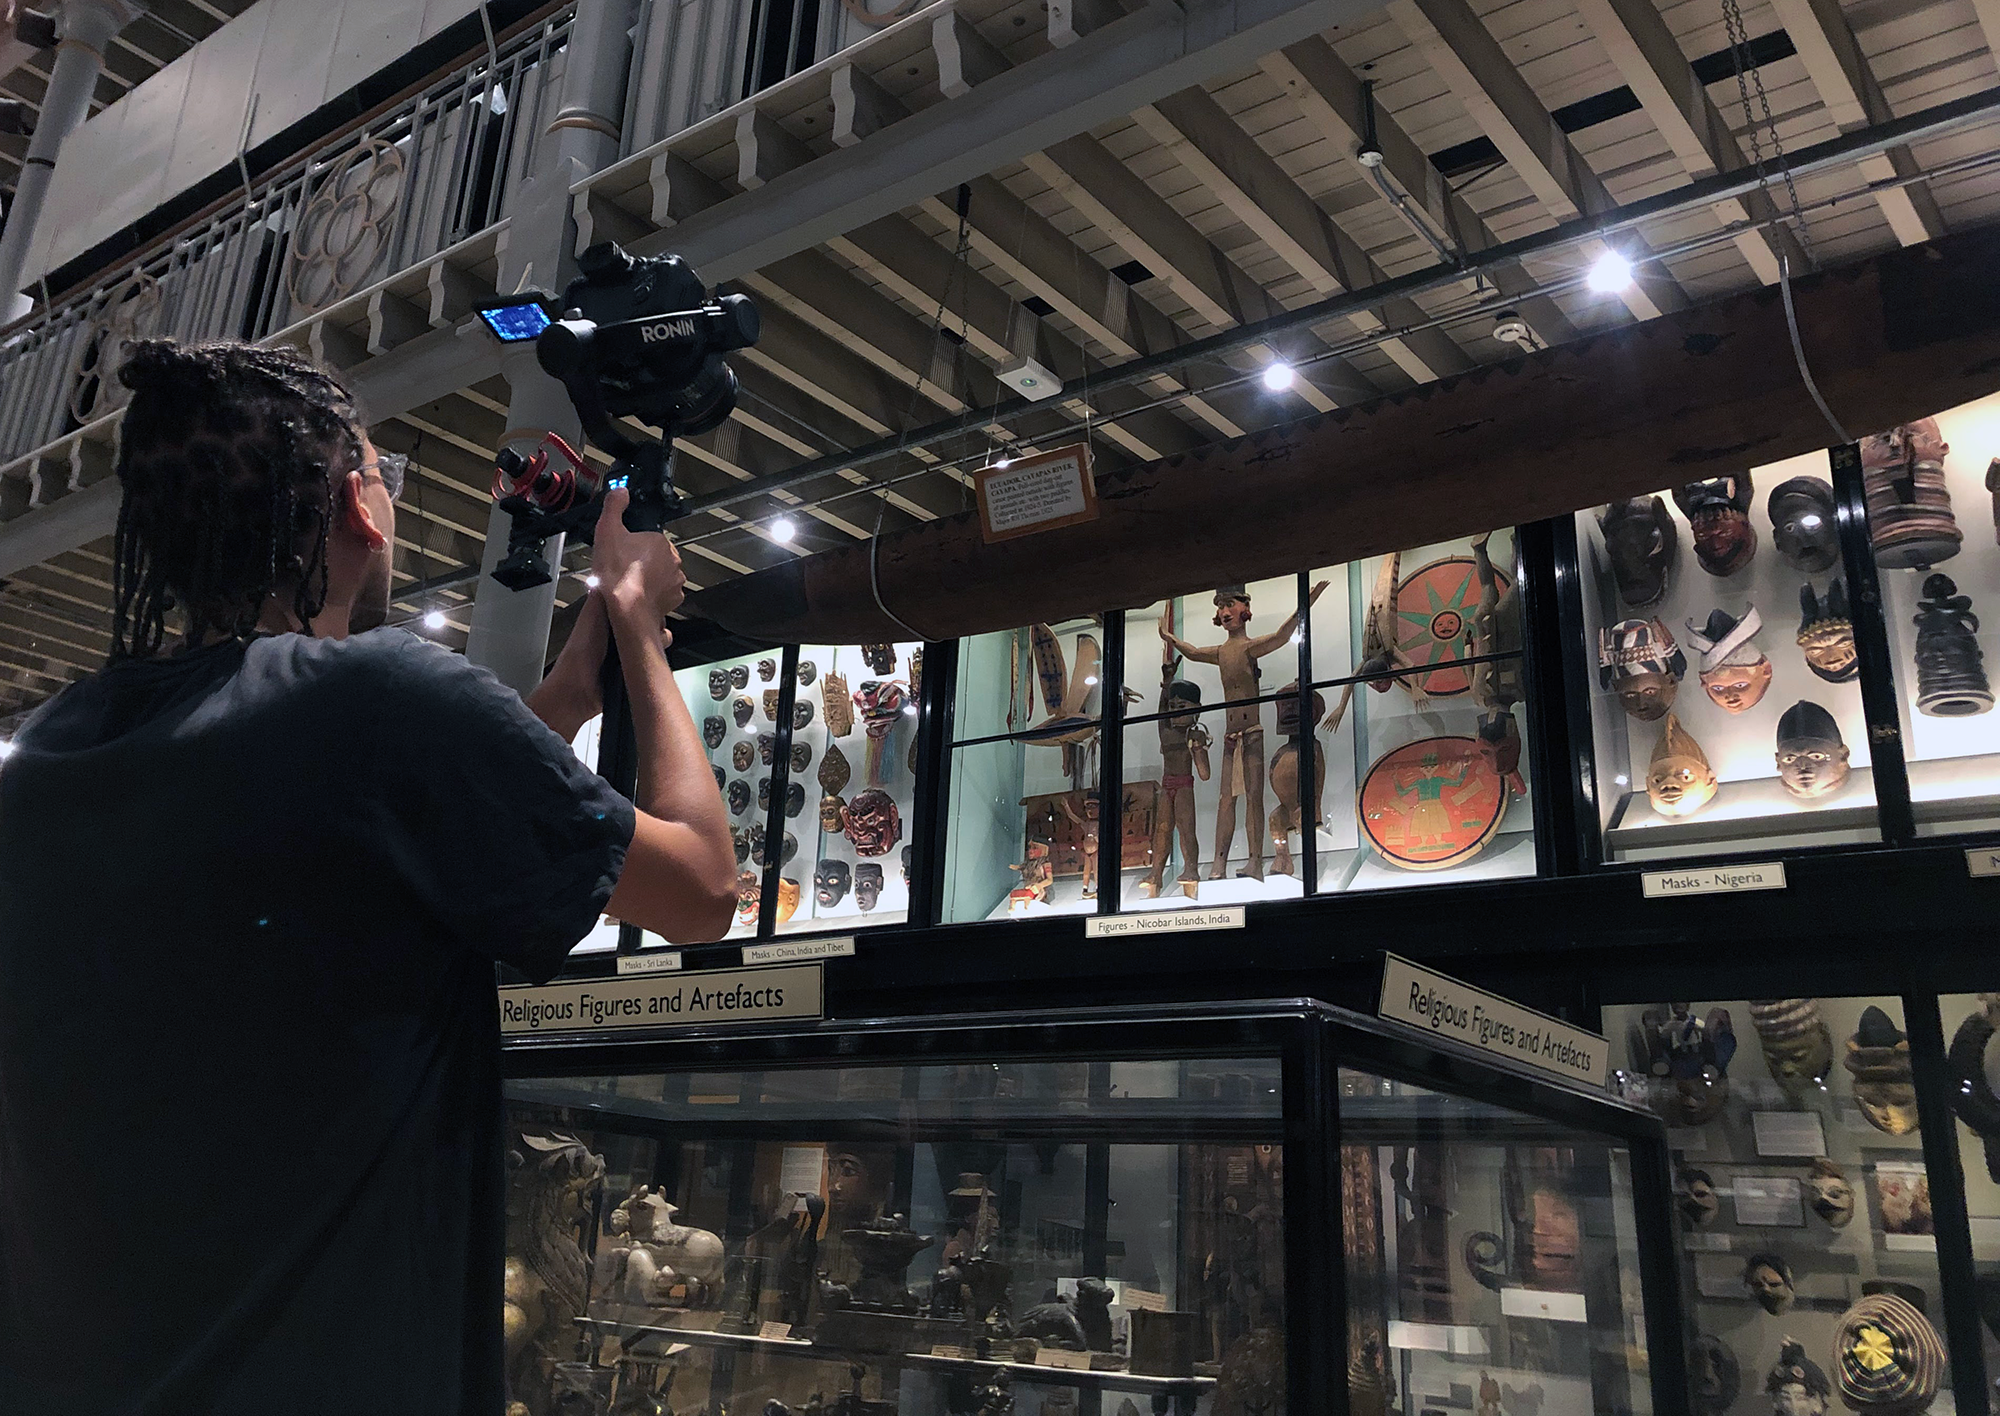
<point>346,225</point>
<point>129,310</point>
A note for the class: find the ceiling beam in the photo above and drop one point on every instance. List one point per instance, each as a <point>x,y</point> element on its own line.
<point>1656,69</point>
<point>1496,96</point>
<point>1262,195</point>
<point>1846,84</point>
<point>1332,98</point>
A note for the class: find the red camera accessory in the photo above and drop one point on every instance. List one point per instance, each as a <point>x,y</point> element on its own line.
<point>552,478</point>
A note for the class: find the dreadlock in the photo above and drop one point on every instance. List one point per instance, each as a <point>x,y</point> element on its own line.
<point>227,458</point>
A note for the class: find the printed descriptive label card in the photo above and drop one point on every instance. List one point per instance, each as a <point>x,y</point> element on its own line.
<point>1713,880</point>
<point>1788,1133</point>
<point>1535,1303</point>
<point>1059,1357</point>
<point>793,951</point>
<point>1982,860</point>
<point>668,962</point>
<point>1438,1005</point>
<point>1165,922</point>
<point>1037,494</point>
<point>776,1332</point>
<point>708,998</point>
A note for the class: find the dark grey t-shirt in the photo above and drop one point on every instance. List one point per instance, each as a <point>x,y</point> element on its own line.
<point>250,900</point>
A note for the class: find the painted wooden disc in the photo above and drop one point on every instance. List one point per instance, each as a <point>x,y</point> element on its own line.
<point>1432,803</point>
<point>1434,608</point>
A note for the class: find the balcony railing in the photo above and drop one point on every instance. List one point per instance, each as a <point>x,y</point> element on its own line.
<point>418,179</point>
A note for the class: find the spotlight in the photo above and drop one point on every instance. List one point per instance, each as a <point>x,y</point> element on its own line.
<point>434,620</point>
<point>6,749</point>
<point>591,582</point>
<point>782,530</point>
<point>1003,462</point>
<point>1610,273</point>
<point>1278,376</point>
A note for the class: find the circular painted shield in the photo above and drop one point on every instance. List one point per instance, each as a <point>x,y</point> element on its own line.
<point>1432,803</point>
<point>1434,608</point>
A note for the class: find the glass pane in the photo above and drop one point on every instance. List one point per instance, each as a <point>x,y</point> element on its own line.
<point>1259,615</point>
<point>1021,834</point>
<point>1417,608</point>
<point>853,828</point>
<point>1929,505</point>
<point>1803,1202</point>
<point>761,1237</point>
<point>1768,747</point>
<point>1492,1258</point>
<point>1017,680</point>
<point>1969,1023</point>
<point>604,938</point>
<point>727,701</point>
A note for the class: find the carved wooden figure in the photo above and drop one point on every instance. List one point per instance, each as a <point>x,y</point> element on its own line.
<point>1289,816</point>
<point>1498,684</point>
<point>1086,824</point>
<point>1183,757</point>
<point>1243,725</point>
<point>1379,650</point>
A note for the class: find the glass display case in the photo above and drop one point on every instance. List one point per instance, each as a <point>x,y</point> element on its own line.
<point>1400,762</point>
<point>1106,1213</point>
<point>1807,1234</point>
<point>1973,1070</point>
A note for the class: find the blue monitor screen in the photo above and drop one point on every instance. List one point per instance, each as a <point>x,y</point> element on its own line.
<point>515,323</point>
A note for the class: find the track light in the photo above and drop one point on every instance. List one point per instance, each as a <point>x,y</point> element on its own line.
<point>434,620</point>
<point>6,748</point>
<point>782,530</point>
<point>1610,273</point>
<point>1278,376</point>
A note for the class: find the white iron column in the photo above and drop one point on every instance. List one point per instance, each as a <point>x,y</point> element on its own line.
<point>86,28</point>
<point>510,629</point>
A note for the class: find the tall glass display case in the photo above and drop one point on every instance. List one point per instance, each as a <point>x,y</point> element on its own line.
<point>1238,1211</point>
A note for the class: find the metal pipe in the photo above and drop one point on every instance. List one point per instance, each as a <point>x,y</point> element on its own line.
<point>86,29</point>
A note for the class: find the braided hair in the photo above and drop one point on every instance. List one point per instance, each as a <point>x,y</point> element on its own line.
<point>228,458</point>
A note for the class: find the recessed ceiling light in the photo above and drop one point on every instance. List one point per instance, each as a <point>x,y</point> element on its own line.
<point>1610,273</point>
<point>782,530</point>
<point>591,582</point>
<point>434,620</point>
<point>1278,376</point>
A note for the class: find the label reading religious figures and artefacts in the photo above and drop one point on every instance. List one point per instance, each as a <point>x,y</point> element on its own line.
<point>1438,1005</point>
<point>1037,494</point>
<point>1432,803</point>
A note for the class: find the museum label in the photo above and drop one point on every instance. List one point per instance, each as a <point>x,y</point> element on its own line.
<point>711,998</point>
<point>1438,1005</point>
<point>1713,880</point>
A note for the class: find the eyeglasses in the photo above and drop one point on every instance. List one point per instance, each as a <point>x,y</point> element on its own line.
<point>391,467</point>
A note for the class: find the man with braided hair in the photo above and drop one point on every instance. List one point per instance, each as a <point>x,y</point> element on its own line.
<point>252,888</point>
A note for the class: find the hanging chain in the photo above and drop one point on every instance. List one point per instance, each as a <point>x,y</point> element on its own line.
<point>1747,77</point>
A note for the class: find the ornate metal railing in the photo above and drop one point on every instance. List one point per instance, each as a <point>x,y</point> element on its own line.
<point>420,178</point>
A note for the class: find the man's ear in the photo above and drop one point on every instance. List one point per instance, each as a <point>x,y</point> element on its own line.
<point>352,514</point>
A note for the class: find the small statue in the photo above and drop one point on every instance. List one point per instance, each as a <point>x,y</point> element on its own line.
<point>1087,824</point>
<point>1699,1204</point>
<point>874,824</point>
<point>1639,661</point>
<point>1383,660</point>
<point>1829,1195</point>
<point>1878,1059</point>
<point>1826,633</point>
<point>1497,684</point>
<point>1036,876</point>
<point>1183,757</point>
<point>830,883</point>
<point>788,898</point>
<point>1796,1385</point>
<point>1769,1279</point>
<point>743,710</point>
<point>1489,1395</point>
<point>867,886</point>
<point>1243,725</point>
<point>1804,524</point>
<point>1290,815</point>
<point>1643,543</point>
<point>1812,757</point>
<point>881,707</point>
<point>1909,507</point>
<point>713,730</point>
<point>884,1247</point>
<point>552,1188</point>
<point>1718,512</point>
<point>1053,1323</point>
<point>880,658</point>
<point>1798,1045</point>
<point>839,707</point>
<point>1951,677</point>
<point>659,1255</point>
<point>1734,671</point>
<point>1679,781</point>
<point>1093,1313</point>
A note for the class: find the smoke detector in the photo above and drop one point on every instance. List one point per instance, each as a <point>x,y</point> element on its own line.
<point>1510,328</point>
<point>1030,380</point>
